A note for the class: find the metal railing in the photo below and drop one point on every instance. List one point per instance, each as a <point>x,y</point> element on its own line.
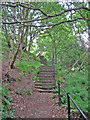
<point>68,97</point>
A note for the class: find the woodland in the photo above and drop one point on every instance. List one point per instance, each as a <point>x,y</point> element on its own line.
<point>58,31</point>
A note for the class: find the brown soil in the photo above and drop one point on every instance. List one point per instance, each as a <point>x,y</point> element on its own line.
<point>35,104</point>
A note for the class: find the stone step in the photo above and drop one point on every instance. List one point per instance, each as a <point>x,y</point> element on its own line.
<point>46,81</point>
<point>47,70</point>
<point>45,87</point>
<point>46,73</point>
<point>41,90</point>
<point>46,78</point>
<point>47,66</point>
<point>44,84</point>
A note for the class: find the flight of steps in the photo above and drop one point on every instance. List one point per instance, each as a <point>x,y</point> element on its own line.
<point>46,81</point>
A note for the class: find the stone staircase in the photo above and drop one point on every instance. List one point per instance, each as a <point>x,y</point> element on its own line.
<point>46,81</point>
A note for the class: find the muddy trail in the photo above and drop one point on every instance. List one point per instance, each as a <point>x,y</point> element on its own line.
<point>29,102</point>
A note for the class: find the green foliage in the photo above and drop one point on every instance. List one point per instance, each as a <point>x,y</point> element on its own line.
<point>35,110</point>
<point>61,80</point>
<point>5,50</point>
<point>25,66</point>
<point>36,78</point>
<point>29,92</point>
<point>60,71</point>
<point>6,103</point>
<point>54,96</point>
<point>55,90</point>
<point>64,40</point>
<point>20,91</point>
<point>28,63</point>
<point>63,99</point>
<point>77,86</point>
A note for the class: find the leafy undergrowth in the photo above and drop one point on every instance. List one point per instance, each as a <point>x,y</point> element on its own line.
<point>28,99</point>
<point>77,86</point>
<point>6,109</point>
<point>5,50</point>
<point>29,64</point>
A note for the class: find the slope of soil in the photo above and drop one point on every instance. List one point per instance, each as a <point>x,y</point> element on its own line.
<point>35,104</point>
<point>30,103</point>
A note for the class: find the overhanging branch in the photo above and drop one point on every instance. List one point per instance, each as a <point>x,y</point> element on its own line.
<point>53,25</point>
<point>47,16</point>
<point>22,5</point>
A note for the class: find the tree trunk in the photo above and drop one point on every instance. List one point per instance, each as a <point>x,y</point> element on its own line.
<point>15,56</point>
<point>14,59</point>
<point>74,64</point>
<point>80,65</point>
<point>20,40</point>
<point>55,55</point>
<point>12,42</point>
<point>30,42</point>
<point>26,38</point>
<point>8,41</point>
<point>15,17</point>
<point>10,57</point>
<point>88,23</point>
<point>22,43</point>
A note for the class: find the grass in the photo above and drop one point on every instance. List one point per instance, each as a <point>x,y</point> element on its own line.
<point>6,103</point>
<point>77,86</point>
<point>29,92</point>
<point>54,96</point>
<point>28,66</point>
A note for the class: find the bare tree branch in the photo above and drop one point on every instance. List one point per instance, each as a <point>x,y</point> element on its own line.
<point>81,14</point>
<point>47,16</point>
<point>75,64</point>
<point>32,7</point>
<point>80,65</point>
<point>53,25</point>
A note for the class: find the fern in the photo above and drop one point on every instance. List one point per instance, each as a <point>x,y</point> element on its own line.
<point>6,103</point>
<point>77,87</point>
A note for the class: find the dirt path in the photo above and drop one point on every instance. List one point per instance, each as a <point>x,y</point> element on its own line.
<point>35,105</point>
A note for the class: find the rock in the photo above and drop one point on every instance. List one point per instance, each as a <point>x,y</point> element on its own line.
<point>53,116</point>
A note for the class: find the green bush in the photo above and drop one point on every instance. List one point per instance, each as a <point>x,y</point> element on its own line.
<point>60,71</point>
<point>54,96</point>
<point>29,92</point>
<point>25,65</point>
<point>77,86</point>
<point>6,103</point>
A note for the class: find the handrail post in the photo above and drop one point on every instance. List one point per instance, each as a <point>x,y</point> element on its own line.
<point>59,94</point>
<point>68,100</point>
<point>52,61</point>
<point>55,74</point>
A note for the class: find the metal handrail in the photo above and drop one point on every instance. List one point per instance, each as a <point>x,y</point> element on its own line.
<point>68,98</point>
